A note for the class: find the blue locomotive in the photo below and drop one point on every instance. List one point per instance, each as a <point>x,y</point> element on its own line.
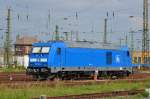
<point>62,59</point>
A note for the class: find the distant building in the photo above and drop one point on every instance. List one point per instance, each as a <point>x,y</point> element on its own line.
<point>138,59</point>
<point>1,57</point>
<point>23,47</point>
<point>2,60</point>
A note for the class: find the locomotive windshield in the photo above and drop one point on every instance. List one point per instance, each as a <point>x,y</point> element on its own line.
<point>40,49</point>
<point>36,50</point>
<point>45,49</point>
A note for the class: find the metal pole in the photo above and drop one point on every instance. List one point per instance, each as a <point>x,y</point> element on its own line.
<point>126,42</point>
<point>57,33</point>
<point>145,38</point>
<point>120,41</point>
<point>7,43</point>
<point>132,42</point>
<point>105,30</point>
<point>77,36</point>
<point>66,35</point>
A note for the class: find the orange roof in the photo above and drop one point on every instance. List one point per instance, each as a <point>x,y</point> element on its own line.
<point>25,40</point>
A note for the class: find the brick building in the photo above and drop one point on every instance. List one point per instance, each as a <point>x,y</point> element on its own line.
<point>23,47</point>
<point>138,59</point>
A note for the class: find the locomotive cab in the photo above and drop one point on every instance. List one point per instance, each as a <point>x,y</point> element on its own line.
<point>41,58</point>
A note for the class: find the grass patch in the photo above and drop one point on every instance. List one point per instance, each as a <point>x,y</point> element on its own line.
<point>13,69</point>
<point>59,89</point>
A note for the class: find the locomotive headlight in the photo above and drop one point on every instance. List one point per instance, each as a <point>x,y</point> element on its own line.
<point>43,60</point>
<point>33,60</point>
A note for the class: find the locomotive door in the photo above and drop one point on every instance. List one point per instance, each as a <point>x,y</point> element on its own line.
<point>59,57</point>
<point>108,58</point>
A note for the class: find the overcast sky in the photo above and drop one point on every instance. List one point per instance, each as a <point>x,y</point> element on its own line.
<point>90,17</point>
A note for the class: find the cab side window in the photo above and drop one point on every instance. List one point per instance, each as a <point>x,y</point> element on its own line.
<point>58,51</point>
<point>128,54</point>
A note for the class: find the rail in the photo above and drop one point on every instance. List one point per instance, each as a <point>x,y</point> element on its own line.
<point>96,95</point>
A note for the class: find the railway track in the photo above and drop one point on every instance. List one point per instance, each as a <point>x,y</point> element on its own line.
<point>98,95</point>
<point>14,76</point>
<point>21,81</point>
<point>139,75</point>
<point>21,77</point>
<point>25,84</point>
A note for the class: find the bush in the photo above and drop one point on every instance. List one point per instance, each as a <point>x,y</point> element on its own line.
<point>145,94</point>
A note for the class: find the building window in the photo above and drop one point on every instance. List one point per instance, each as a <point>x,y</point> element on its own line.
<point>135,60</point>
<point>139,60</point>
<point>148,60</point>
<point>145,60</point>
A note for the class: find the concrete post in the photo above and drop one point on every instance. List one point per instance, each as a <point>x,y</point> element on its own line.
<point>43,97</point>
<point>95,75</point>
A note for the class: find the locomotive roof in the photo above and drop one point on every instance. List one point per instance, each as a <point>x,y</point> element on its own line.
<point>87,44</point>
<point>84,44</point>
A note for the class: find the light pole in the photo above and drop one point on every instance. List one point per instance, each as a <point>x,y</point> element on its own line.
<point>61,27</point>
